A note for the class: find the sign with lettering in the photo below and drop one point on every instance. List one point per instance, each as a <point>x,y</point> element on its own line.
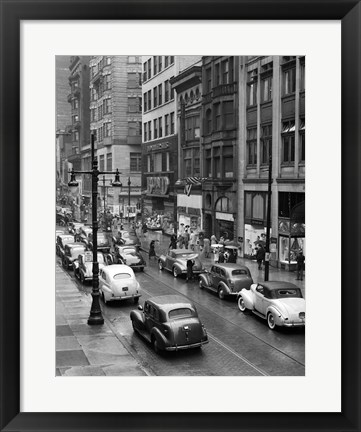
<point>194,211</point>
<point>157,185</point>
<point>88,256</point>
<point>224,216</point>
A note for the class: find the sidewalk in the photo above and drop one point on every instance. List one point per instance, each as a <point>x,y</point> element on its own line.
<point>83,350</point>
<point>275,274</point>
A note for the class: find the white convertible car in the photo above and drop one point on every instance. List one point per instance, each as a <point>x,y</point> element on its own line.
<point>280,303</point>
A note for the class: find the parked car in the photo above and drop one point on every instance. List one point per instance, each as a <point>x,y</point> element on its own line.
<point>61,241</point>
<point>71,254</point>
<point>129,255</point>
<point>117,282</point>
<point>170,323</point>
<point>103,242</point>
<point>125,238</point>
<point>176,261</point>
<point>280,303</point>
<point>84,235</point>
<point>74,229</point>
<point>83,266</point>
<point>58,233</point>
<point>226,279</point>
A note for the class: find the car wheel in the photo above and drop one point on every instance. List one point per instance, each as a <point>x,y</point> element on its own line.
<point>64,264</point>
<point>160,265</point>
<point>201,284</point>
<point>271,321</point>
<point>221,293</point>
<point>136,300</point>
<point>241,305</point>
<point>175,272</point>
<point>156,346</point>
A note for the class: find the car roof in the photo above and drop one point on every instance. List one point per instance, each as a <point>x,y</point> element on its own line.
<point>64,236</point>
<point>118,268</point>
<point>169,302</point>
<point>231,266</point>
<point>75,245</point>
<point>278,285</point>
<point>182,251</point>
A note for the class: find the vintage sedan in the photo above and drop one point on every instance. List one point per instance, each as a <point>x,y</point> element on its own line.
<point>125,238</point>
<point>84,235</point>
<point>176,262</point>
<point>83,266</point>
<point>103,242</point>
<point>59,232</point>
<point>170,323</point>
<point>226,279</point>
<point>130,256</point>
<point>71,254</point>
<point>280,303</point>
<point>117,282</point>
<point>61,241</point>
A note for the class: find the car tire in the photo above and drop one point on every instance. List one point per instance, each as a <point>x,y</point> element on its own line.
<point>271,321</point>
<point>156,346</point>
<point>221,293</point>
<point>64,264</point>
<point>160,265</point>
<point>175,272</point>
<point>241,305</point>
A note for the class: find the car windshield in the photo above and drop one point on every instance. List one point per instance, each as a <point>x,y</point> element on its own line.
<point>186,255</point>
<point>68,240</point>
<point>180,313</point>
<point>288,292</point>
<point>122,276</point>
<point>239,272</point>
<point>129,251</point>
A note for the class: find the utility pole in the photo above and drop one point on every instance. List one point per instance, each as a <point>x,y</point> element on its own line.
<point>129,183</point>
<point>267,257</point>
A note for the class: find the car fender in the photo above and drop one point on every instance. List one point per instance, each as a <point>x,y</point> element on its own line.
<point>179,267</point>
<point>204,278</point>
<point>161,339</point>
<point>247,298</point>
<point>162,258</point>
<point>225,287</point>
<point>279,318</point>
<point>138,317</point>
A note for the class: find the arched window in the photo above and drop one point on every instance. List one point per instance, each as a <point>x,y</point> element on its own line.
<point>208,125</point>
<point>197,93</point>
<point>186,98</point>
<point>192,96</point>
<point>223,204</point>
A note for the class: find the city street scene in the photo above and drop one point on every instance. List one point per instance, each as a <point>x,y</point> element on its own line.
<point>180,216</point>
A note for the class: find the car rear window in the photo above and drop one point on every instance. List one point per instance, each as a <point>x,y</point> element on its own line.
<point>121,276</point>
<point>181,312</point>
<point>239,272</point>
<point>289,292</point>
<point>129,251</point>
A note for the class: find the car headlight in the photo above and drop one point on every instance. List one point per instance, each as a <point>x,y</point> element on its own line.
<point>301,315</point>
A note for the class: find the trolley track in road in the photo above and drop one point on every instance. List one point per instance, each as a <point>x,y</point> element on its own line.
<point>211,311</point>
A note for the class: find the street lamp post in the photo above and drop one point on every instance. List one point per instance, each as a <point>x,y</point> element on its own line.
<point>129,183</point>
<point>95,317</point>
<point>267,257</point>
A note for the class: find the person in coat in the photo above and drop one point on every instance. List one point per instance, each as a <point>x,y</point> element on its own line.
<point>232,257</point>
<point>221,257</point>
<point>300,265</point>
<point>190,264</point>
<point>152,250</point>
<point>206,246</point>
<point>260,256</point>
<point>173,242</point>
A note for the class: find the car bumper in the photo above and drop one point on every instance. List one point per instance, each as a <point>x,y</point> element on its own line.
<point>184,347</point>
<point>127,297</point>
<point>137,266</point>
<point>294,324</point>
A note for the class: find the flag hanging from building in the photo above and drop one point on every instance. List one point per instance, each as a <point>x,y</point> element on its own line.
<point>190,181</point>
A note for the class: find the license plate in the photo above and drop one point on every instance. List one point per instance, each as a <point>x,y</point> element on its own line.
<point>125,288</point>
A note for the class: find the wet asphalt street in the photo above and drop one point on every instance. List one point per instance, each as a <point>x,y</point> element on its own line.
<point>239,344</point>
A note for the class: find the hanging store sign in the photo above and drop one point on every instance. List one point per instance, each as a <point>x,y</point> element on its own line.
<point>157,185</point>
<point>225,216</point>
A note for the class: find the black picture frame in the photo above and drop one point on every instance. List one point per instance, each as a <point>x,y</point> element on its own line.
<point>12,12</point>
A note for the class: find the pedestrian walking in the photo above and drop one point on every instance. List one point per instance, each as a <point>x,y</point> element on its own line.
<point>173,242</point>
<point>300,265</point>
<point>152,250</point>
<point>192,240</point>
<point>260,256</point>
<point>206,246</point>
<point>216,255</point>
<point>220,257</point>
<point>201,241</point>
<point>190,264</point>
<point>185,236</point>
<point>232,257</point>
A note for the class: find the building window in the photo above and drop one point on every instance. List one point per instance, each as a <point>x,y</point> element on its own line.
<point>288,143</point>
<point>252,88</point>
<point>208,165</point>
<point>133,104</point>
<point>171,59</point>
<point>166,125</point>
<point>172,123</point>
<point>107,106</point>
<point>228,115</point>
<point>159,63</point>
<point>171,91</point>
<point>166,91</point>
<point>155,123</point>
<point>217,117</point>
<point>101,163</point>
<point>160,127</point>
<point>133,80</point>
<point>108,61</point>
<point>133,129</point>
<point>132,59</point>
<point>149,164</point>
<point>252,146</point>
<point>149,69</point>
<point>289,81</point>
<point>192,128</point>
<point>76,136</point>
<point>196,162</point>
<point>166,61</point>
<point>225,72</point>
<point>155,93</point>
<point>145,75</point>
<point>208,125</point>
<point>109,162</point>
<point>302,141</point>
<point>145,102</point>
<point>217,162</point>
<point>145,132</point>
<point>160,94</point>
<point>187,155</point>
<point>158,162</point>
<point>302,75</point>
<point>208,80</point>
<point>155,64</point>
<point>100,112</point>
<point>135,162</point>
<point>217,74</point>
<point>149,130</point>
<point>107,129</point>
<point>266,87</point>
<point>266,144</point>
<point>228,161</point>
<point>107,82</point>
<point>150,100</point>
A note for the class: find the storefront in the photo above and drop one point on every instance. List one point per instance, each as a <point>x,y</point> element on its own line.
<point>255,221</point>
<point>189,211</point>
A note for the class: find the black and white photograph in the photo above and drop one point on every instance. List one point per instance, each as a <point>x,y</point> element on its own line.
<point>180,215</point>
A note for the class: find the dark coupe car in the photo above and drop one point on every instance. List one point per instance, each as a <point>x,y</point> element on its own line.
<point>170,323</point>
<point>83,266</point>
<point>176,261</point>
<point>61,241</point>
<point>130,256</point>
<point>71,254</point>
<point>226,279</point>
